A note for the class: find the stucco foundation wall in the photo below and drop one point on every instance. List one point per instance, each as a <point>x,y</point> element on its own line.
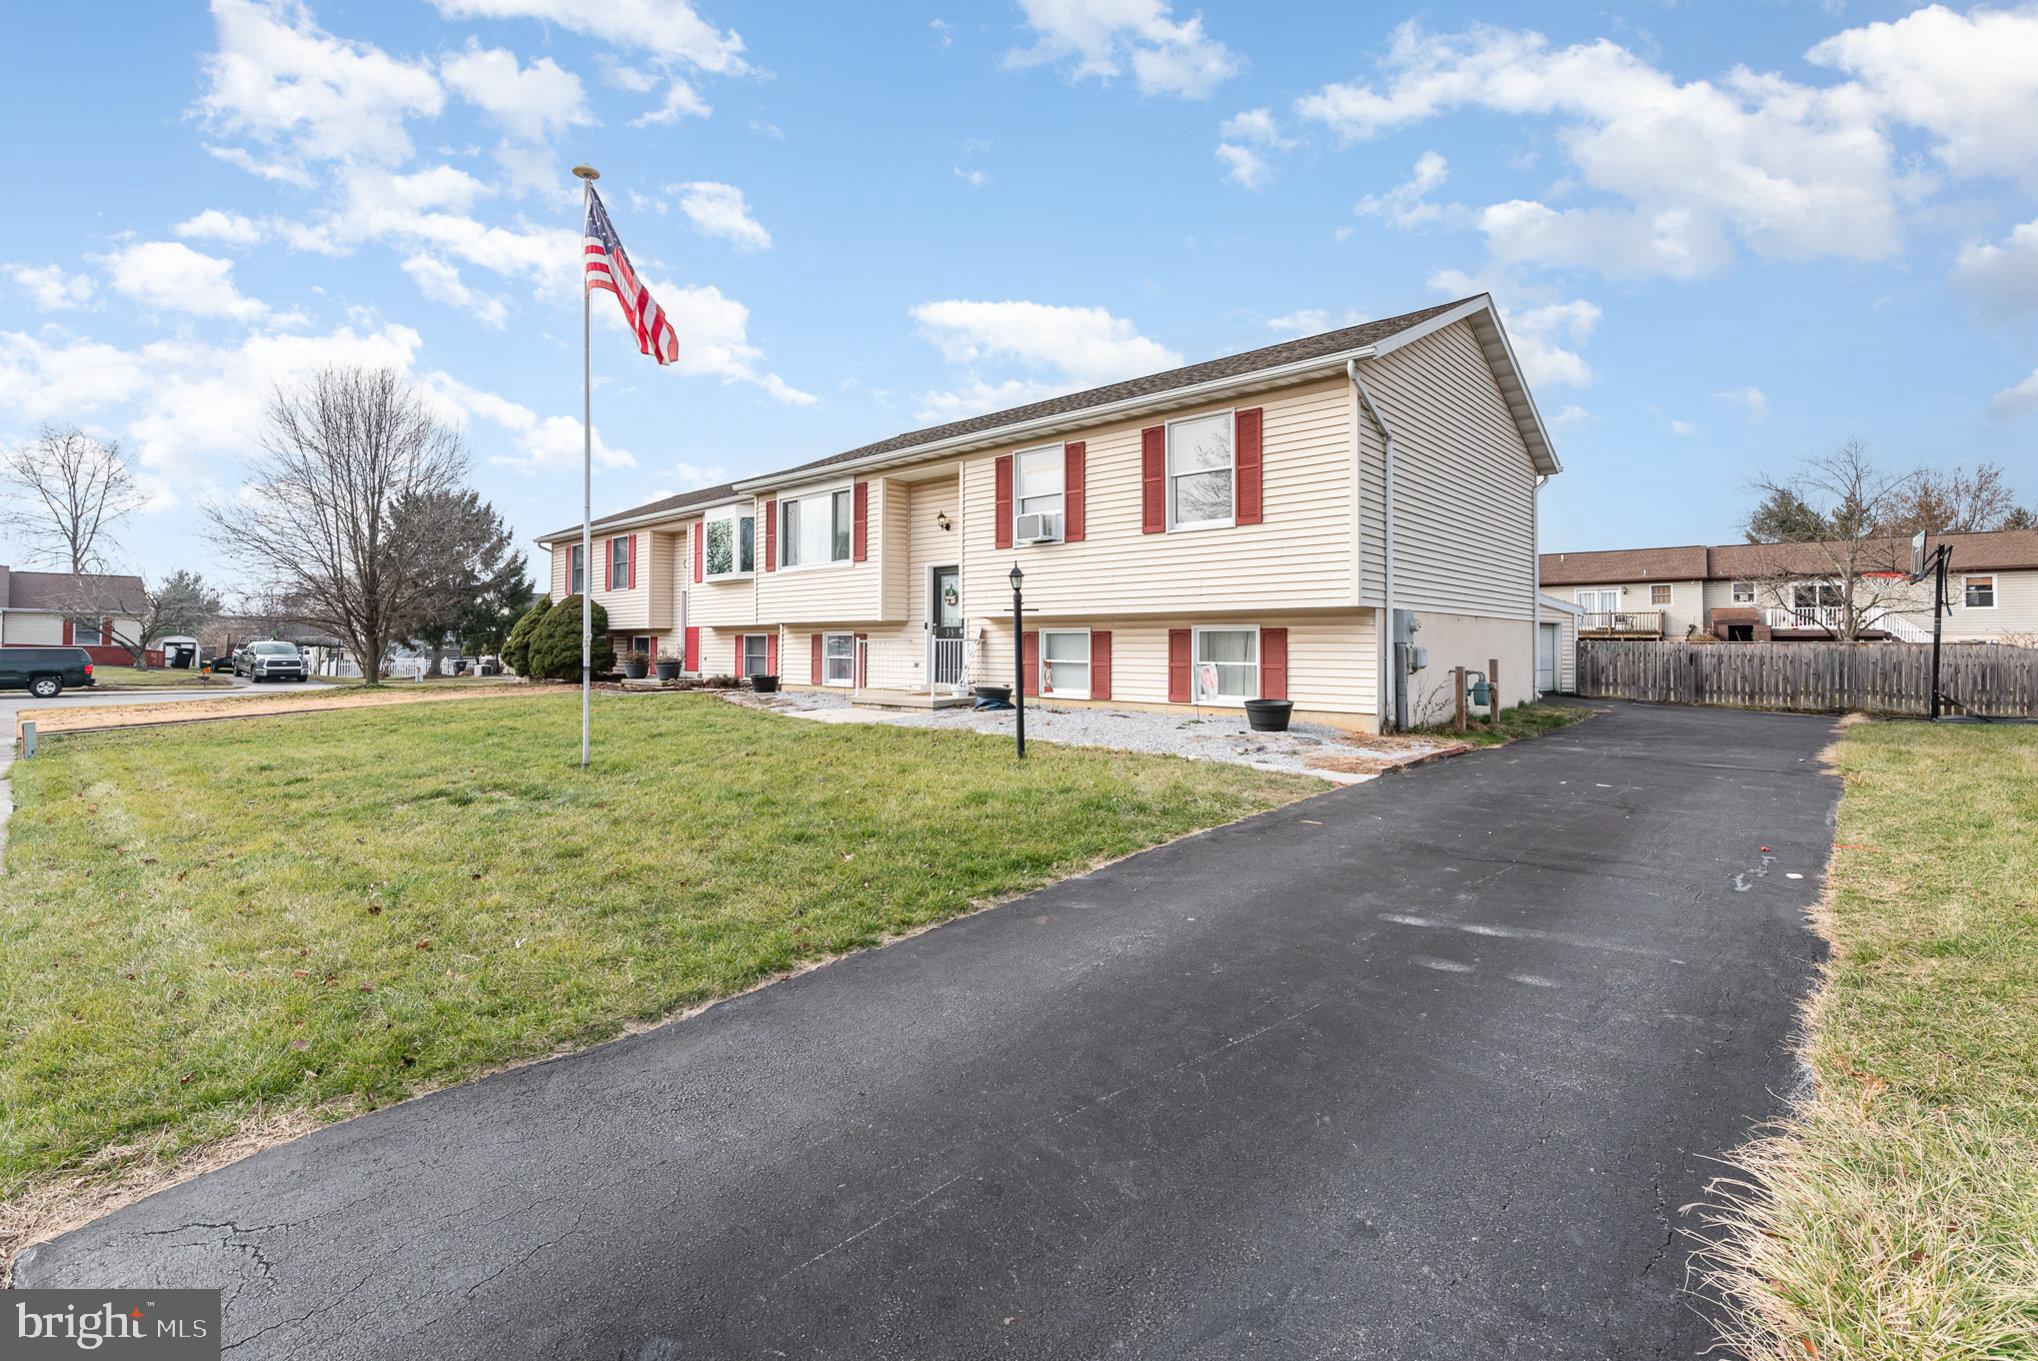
<point>1469,641</point>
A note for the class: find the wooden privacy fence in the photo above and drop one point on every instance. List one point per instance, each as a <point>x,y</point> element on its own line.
<point>1882,678</point>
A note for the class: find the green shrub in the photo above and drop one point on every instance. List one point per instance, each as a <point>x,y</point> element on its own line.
<point>555,643</point>
<point>516,652</point>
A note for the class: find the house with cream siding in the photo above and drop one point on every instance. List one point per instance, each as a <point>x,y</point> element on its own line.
<point>1745,592</point>
<point>1338,520</point>
<point>92,610</point>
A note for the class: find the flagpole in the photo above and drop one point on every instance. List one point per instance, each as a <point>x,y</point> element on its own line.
<point>588,175</point>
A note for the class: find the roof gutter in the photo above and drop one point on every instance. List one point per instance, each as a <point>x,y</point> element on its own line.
<point>653,518</point>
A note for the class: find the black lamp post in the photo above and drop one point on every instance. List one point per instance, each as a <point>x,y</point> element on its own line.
<point>1019,659</point>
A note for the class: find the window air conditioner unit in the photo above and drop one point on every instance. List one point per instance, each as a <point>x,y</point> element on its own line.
<point>1039,529</point>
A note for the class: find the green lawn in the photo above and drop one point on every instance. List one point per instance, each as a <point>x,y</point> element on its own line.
<point>203,926</point>
<point>1897,1215</point>
<point>155,678</point>
<point>1523,720</point>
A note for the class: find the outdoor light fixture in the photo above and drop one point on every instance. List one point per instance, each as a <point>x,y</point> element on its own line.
<point>1018,578</point>
<point>942,519</point>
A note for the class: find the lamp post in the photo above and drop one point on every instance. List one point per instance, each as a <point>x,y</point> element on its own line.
<point>1018,579</point>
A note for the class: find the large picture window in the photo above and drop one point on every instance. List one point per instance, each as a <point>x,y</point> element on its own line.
<point>1065,663</point>
<point>814,529</point>
<point>1199,472</point>
<point>1227,665</point>
<point>838,659</point>
<point>732,545</point>
<point>1814,595</point>
<point>1037,490</point>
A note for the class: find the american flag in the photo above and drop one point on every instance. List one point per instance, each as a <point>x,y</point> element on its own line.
<point>608,267</point>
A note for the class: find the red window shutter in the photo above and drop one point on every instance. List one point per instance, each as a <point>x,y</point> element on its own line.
<point>771,535</point>
<point>700,545</point>
<point>817,659</point>
<point>1002,510</point>
<point>859,534</point>
<point>1248,501</point>
<point>1100,665</point>
<point>693,649</point>
<point>737,670</point>
<point>771,654</point>
<point>68,634</point>
<point>1074,501</point>
<point>1178,666</point>
<point>859,665</point>
<point>1153,480</point>
<point>1273,663</point>
<point>1029,658</point>
<point>633,562</point>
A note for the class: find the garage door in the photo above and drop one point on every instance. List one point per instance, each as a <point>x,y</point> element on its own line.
<point>1546,658</point>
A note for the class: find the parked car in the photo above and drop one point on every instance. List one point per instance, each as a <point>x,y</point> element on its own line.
<point>270,661</point>
<point>45,671</point>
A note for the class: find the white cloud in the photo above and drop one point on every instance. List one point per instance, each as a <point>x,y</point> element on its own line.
<point>975,179</point>
<point>442,283</point>
<point>1255,125</point>
<point>1100,38</point>
<point>1544,336</point>
<point>1678,243</point>
<point>1750,399</point>
<point>48,287</point>
<point>2002,278</point>
<point>721,210</point>
<point>670,30</point>
<point>2013,402</point>
<point>170,276</point>
<point>944,35</point>
<point>278,172</point>
<point>681,101</point>
<point>1571,415</point>
<point>1245,166</point>
<point>1068,348</point>
<point>532,103</point>
<point>684,476</point>
<point>543,442</point>
<point>1682,428</point>
<point>1406,205</point>
<point>714,340</point>
<point>1309,321</point>
<point>231,228</point>
<point>279,78</point>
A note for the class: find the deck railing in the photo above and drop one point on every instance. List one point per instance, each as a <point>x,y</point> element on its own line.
<point>1628,623</point>
<point>904,664</point>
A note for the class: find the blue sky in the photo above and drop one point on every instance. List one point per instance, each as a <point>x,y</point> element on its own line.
<point>1720,245</point>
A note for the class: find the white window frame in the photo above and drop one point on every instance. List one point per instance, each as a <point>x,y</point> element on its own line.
<point>827,495</point>
<point>1821,587</point>
<point>98,630</point>
<point>1734,592</point>
<point>1196,695</point>
<point>1089,661</point>
<point>1995,589</point>
<point>848,681</point>
<point>733,516</point>
<point>1168,473</point>
<point>1058,455</point>
<point>763,640</point>
<point>1593,599</point>
<point>576,570</point>
<point>1662,586</point>
<point>619,563</point>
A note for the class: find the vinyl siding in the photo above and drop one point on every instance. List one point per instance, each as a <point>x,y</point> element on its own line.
<point>2015,615</point>
<point>1566,625</point>
<point>928,545</point>
<point>1687,607</point>
<point>833,592</point>
<point>1299,556</point>
<point>1464,487</point>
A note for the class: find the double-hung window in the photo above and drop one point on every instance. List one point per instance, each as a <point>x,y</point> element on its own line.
<point>1813,595</point>
<point>1743,592</point>
<point>732,544</point>
<point>1227,665</point>
<point>1200,471</point>
<point>85,633</point>
<point>1065,663</point>
<point>756,655</point>
<point>814,529</point>
<point>576,570</point>
<point>1659,595</point>
<point>838,659</point>
<point>1038,493</point>
<point>619,562</point>
<point>1978,592</point>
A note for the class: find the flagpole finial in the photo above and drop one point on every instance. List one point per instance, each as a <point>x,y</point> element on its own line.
<point>587,172</point>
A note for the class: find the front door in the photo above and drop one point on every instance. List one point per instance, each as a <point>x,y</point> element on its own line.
<point>944,626</point>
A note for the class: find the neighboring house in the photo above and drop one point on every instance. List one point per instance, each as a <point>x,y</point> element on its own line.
<point>1791,592</point>
<point>1192,538</point>
<point>79,609</point>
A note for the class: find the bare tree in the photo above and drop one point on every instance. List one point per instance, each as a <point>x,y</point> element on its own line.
<point>1953,501</point>
<point>65,492</point>
<point>342,450</point>
<point>1854,570</point>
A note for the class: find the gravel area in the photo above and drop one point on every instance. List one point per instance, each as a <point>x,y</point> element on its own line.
<point>1305,749</point>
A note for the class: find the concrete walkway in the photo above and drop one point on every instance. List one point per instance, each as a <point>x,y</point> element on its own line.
<point>1419,1068</point>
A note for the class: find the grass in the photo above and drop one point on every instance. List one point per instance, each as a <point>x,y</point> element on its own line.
<point>1895,1216</point>
<point>1523,720</point>
<point>204,929</point>
<point>155,678</point>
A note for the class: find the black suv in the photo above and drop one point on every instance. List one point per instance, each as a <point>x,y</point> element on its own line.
<point>270,661</point>
<point>44,671</point>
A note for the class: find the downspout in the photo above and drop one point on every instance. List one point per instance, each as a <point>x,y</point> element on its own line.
<point>1396,681</point>
<point>1536,592</point>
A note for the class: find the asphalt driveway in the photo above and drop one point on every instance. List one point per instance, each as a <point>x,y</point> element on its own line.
<point>1421,1068</point>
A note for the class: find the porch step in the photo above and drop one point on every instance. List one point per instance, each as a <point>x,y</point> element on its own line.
<point>907,699</point>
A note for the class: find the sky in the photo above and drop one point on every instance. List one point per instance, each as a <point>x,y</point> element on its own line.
<point>1723,237</point>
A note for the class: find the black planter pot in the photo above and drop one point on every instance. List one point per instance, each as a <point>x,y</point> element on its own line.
<point>668,668</point>
<point>1268,715</point>
<point>764,685</point>
<point>997,694</point>
<point>634,668</point>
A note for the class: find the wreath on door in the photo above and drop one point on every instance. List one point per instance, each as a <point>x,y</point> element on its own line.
<point>950,596</point>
